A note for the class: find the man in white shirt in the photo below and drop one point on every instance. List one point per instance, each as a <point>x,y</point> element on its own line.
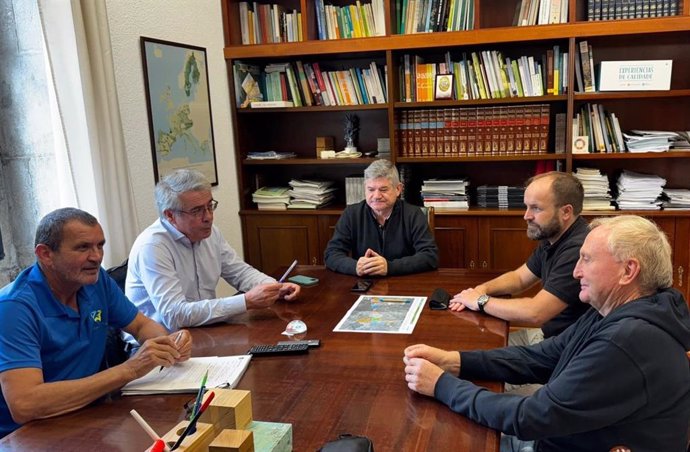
<point>175,264</point>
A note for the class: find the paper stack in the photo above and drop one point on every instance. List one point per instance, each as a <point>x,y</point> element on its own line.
<point>445,194</point>
<point>354,189</point>
<point>676,199</point>
<point>649,140</point>
<point>223,371</point>
<point>639,191</point>
<point>271,198</point>
<point>500,197</point>
<point>311,194</point>
<point>597,190</point>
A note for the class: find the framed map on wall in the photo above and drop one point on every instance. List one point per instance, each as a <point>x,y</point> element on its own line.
<point>179,108</point>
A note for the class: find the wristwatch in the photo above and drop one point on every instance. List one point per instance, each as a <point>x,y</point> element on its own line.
<point>482,301</point>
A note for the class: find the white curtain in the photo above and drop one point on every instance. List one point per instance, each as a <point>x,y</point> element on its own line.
<point>88,118</point>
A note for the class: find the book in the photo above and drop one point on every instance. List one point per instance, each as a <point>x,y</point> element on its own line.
<point>223,371</point>
<point>272,104</point>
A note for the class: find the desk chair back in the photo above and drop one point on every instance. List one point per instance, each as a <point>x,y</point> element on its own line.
<point>115,347</point>
<point>429,214</point>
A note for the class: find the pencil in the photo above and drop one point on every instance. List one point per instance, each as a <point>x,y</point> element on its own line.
<point>177,339</point>
<point>282,278</point>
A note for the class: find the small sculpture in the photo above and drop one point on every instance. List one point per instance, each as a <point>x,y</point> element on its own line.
<point>351,132</point>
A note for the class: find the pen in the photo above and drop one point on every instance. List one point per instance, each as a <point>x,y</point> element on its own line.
<point>200,395</point>
<point>192,423</point>
<point>147,428</point>
<point>177,339</point>
<point>282,279</point>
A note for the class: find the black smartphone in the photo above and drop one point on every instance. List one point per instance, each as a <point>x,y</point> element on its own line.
<point>362,285</point>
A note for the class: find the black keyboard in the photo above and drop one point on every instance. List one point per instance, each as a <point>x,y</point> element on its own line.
<point>288,349</point>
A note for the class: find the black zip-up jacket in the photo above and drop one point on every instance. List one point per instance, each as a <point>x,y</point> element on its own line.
<point>404,240</point>
<point>622,379</point>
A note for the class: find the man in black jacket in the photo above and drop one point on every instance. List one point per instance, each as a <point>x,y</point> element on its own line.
<point>618,376</point>
<point>381,235</point>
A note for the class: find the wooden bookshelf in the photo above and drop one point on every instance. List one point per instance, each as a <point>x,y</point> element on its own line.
<point>458,233</point>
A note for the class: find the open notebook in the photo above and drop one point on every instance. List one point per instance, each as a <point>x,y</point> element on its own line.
<point>223,371</point>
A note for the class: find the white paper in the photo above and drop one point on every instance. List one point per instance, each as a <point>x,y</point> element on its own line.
<point>223,371</point>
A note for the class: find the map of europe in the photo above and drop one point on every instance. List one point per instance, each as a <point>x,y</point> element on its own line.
<point>180,108</point>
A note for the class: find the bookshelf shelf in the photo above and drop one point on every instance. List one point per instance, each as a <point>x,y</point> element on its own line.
<point>310,161</point>
<point>465,103</point>
<point>295,129</point>
<point>297,110</point>
<point>486,159</point>
<point>599,96</point>
<point>633,155</point>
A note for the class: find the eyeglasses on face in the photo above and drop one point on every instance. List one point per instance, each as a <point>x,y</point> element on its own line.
<point>199,211</point>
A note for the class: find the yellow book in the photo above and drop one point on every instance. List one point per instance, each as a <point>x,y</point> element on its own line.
<point>299,27</point>
<point>356,21</point>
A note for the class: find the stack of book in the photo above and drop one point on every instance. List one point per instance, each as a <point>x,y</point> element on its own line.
<point>357,20</point>
<point>541,12</point>
<point>311,194</point>
<point>424,16</point>
<point>265,24</point>
<point>445,194</point>
<point>500,197</point>
<point>271,198</point>
<point>632,9</point>
<point>354,189</point>
<point>676,199</point>
<point>639,191</point>
<point>602,128</point>
<point>487,74</point>
<point>597,189</point>
<point>475,131</point>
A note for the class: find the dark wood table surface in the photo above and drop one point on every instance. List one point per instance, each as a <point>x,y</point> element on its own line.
<point>354,383</point>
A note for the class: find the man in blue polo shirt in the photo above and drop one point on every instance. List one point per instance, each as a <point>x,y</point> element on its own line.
<point>55,322</point>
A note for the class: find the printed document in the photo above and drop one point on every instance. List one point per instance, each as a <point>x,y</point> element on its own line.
<point>382,314</point>
<point>223,371</point>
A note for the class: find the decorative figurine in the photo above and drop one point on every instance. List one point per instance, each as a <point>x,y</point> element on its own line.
<point>351,132</point>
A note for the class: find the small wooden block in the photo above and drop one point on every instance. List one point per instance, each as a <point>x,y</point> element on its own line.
<point>271,436</point>
<point>324,142</point>
<point>196,442</point>
<point>233,441</point>
<point>229,409</point>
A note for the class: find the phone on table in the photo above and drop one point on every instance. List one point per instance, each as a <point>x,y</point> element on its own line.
<point>303,280</point>
<point>362,285</point>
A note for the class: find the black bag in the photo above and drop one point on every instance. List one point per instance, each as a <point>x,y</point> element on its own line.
<point>349,443</point>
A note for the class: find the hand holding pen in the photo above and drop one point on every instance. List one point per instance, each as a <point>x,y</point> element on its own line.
<point>176,343</point>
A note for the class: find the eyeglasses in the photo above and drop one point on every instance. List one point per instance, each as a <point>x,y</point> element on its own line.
<point>199,211</point>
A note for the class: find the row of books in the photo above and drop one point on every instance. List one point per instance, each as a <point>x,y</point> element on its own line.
<point>500,196</point>
<point>584,68</point>
<point>443,194</point>
<point>356,20</point>
<point>541,12</point>
<point>601,127</point>
<point>304,84</point>
<point>265,23</point>
<point>481,131</point>
<point>631,9</point>
<point>486,74</point>
<point>354,189</point>
<point>424,16</point>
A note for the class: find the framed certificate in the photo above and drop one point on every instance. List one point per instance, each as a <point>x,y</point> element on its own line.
<point>443,87</point>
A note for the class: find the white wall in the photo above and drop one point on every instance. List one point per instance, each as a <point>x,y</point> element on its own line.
<point>194,22</point>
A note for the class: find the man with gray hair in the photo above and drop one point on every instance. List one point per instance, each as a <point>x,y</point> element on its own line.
<point>618,376</point>
<point>55,321</point>
<point>381,235</point>
<point>175,264</point>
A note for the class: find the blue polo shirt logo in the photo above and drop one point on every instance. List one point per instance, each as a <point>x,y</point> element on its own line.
<point>96,316</point>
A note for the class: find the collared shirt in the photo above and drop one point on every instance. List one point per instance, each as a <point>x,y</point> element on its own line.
<point>173,281</point>
<point>38,331</point>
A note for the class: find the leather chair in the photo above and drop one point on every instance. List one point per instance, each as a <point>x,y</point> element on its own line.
<point>115,347</point>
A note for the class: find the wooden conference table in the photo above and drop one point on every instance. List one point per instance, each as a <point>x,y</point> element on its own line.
<point>354,383</point>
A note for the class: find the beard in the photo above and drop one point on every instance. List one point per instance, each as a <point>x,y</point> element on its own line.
<point>545,232</point>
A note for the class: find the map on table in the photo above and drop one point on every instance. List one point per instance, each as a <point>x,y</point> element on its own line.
<point>382,314</point>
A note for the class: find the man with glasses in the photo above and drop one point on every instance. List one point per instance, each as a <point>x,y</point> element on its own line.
<point>176,263</point>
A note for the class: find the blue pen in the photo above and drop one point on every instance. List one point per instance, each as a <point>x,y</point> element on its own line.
<point>200,395</point>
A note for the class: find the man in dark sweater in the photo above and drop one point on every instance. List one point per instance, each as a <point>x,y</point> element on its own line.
<point>553,203</point>
<point>381,235</point>
<point>618,376</point>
